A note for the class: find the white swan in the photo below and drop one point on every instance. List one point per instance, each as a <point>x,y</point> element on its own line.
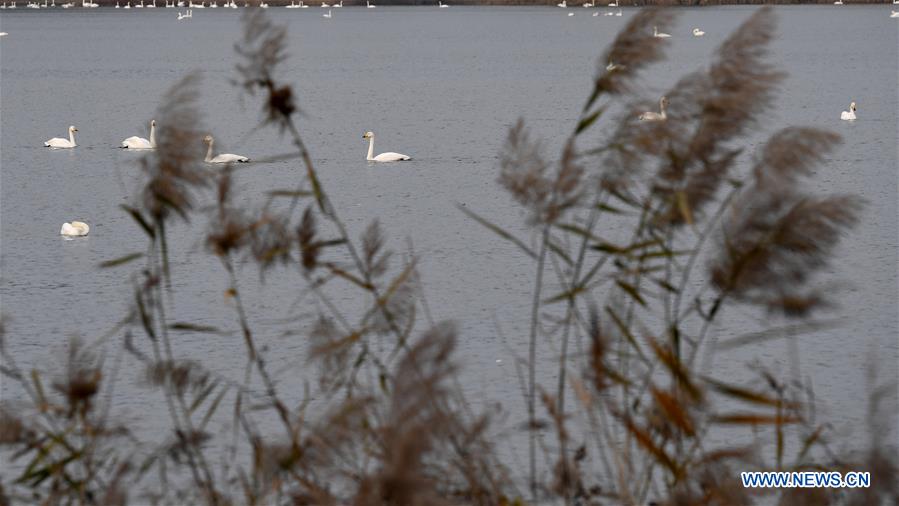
<point>590,4</point>
<point>383,157</point>
<point>894,14</point>
<point>292,5</point>
<point>838,2</point>
<point>656,33</point>
<point>327,14</point>
<point>442,5</point>
<point>325,4</point>
<point>369,5</point>
<point>698,33</point>
<point>139,142</point>
<point>614,4</point>
<point>563,5</point>
<point>223,158</point>
<point>570,14</point>
<point>850,114</point>
<point>60,143</point>
<point>76,228</point>
<point>656,116</point>
<point>338,5</point>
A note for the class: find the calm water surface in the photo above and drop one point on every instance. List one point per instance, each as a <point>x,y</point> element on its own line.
<point>442,86</point>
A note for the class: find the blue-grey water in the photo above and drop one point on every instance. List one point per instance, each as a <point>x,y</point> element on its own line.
<point>442,85</point>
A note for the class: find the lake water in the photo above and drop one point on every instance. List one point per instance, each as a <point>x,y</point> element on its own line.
<point>442,86</point>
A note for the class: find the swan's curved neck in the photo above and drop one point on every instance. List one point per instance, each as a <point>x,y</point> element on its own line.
<point>72,136</point>
<point>662,109</point>
<point>152,135</point>
<point>371,147</point>
<point>209,153</point>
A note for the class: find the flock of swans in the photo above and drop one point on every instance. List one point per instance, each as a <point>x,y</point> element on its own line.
<point>213,4</point>
<point>79,228</point>
<point>662,115</point>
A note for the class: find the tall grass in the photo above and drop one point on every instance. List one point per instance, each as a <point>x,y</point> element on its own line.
<point>648,236</point>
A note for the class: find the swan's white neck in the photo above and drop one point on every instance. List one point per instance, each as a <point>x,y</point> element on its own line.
<point>209,153</point>
<point>72,136</point>
<point>662,109</point>
<point>371,147</point>
<point>152,135</point>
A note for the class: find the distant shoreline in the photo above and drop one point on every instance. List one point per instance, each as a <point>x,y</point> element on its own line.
<point>517,3</point>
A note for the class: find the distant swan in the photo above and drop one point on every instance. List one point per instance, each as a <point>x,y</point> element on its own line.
<point>383,157</point>
<point>850,114</point>
<point>442,5</point>
<point>590,4</point>
<point>894,14</point>
<point>57,142</point>
<point>698,33</point>
<point>139,142</point>
<point>570,14</point>
<point>656,33</point>
<point>563,5</point>
<point>369,5</point>
<point>223,158</point>
<point>838,2</point>
<point>656,116</point>
<point>76,228</point>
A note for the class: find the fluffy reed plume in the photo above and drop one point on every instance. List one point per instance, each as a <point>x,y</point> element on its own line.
<point>777,237</point>
<point>175,172</point>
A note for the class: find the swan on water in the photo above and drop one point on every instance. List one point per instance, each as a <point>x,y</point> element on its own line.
<point>850,114</point>
<point>838,2</point>
<point>76,228</point>
<point>223,158</point>
<point>383,157</point>
<point>563,5</point>
<point>894,14</point>
<point>136,142</point>
<point>369,5</point>
<point>614,4</point>
<point>656,116</point>
<point>325,4</point>
<point>698,33</point>
<point>590,4</point>
<point>570,14</point>
<point>656,33</point>
<point>327,14</point>
<point>3,34</point>
<point>441,4</point>
<point>58,142</point>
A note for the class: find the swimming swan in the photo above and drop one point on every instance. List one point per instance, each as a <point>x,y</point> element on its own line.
<point>656,116</point>
<point>76,228</point>
<point>656,33</point>
<point>850,114</point>
<point>57,142</point>
<point>223,158</point>
<point>139,142</point>
<point>894,14</point>
<point>698,33</point>
<point>383,157</point>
